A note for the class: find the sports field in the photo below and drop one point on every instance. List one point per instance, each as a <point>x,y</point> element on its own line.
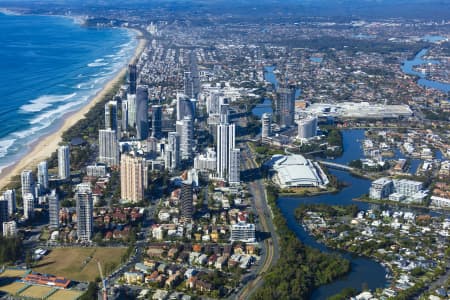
<point>12,288</point>
<point>65,295</point>
<point>36,291</point>
<point>78,264</point>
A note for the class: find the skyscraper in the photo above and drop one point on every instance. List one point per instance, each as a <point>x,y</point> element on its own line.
<point>224,113</point>
<point>111,115</point>
<point>172,152</point>
<point>188,85</point>
<point>42,175</point>
<point>63,162</point>
<point>142,112</point>
<point>285,106</point>
<point>185,107</point>
<point>156,120</point>
<point>9,229</point>
<point>225,143</point>
<point>85,209</point>
<point>133,178</point>
<point>53,209</point>
<point>131,104</point>
<point>266,121</point>
<point>10,196</point>
<point>124,125</point>
<point>28,206</point>
<point>27,182</point>
<point>108,147</point>
<point>186,201</point>
<point>185,129</point>
<point>234,166</point>
<point>3,211</point>
<point>132,78</point>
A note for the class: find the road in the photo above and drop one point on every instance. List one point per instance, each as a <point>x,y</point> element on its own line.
<point>271,248</point>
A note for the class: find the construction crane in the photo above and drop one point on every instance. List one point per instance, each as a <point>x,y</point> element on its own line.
<point>104,289</point>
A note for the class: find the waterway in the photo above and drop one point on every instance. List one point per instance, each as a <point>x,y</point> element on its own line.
<point>364,271</point>
<point>408,68</point>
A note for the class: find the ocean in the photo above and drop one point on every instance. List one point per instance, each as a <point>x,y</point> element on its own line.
<point>51,66</point>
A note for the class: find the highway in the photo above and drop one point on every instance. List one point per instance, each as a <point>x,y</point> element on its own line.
<point>271,248</point>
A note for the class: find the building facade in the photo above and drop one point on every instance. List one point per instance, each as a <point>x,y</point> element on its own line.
<point>53,209</point>
<point>108,147</point>
<point>85,210</point>
<point>133,178</point>
<point>63,162</point>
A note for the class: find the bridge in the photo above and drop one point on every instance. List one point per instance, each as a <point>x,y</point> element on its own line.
<point>336,166</point>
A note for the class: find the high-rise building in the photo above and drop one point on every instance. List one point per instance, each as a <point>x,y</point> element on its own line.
<point>142,112</point>
<point>215,100</point>
<point>27,182</point>
<point>10,196</point>
<point>224,113</point>
<point>234,168</point>
<point>131,105</point>
<point>172,152</point>
<point>225,143</point>
<point>185,129</point>
<point>185,107</point>
<point>4,216</point>
<point>266,121</point>
<point>206,161</point>
<point>108,147</point>
<point>42,175</point>
<point>9,229</point>
<point>132,78</point>
<point>85,209</point>
<point>307,127</point>
<point>28,206</point>
<point>285,106</point>
<point>111,115</point>
<point>64,162</point>
<point>133,178</point>
<point>186,201</point>
<point>188,84</point>
<point>53,209</point>
<point>156,120</point>
<point>124,125</point>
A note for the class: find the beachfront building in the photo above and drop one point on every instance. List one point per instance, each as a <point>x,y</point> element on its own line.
<point>28,206</point>
<point>10,196</point>
<point>42,175</point>
<point>85,209</point>
<point>27,181</point>
<point>108,147</point>
<point>297,171</point>
<point>63,162</point>
<point>132,78</point>
<point>53,209</point>
<point>111,115</point>
<point>133,178</point>
<point>4,217</point>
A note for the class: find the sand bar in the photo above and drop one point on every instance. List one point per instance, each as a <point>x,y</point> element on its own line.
<point>46,145</point>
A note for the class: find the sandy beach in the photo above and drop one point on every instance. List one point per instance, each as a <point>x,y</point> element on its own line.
<point>45,146</point>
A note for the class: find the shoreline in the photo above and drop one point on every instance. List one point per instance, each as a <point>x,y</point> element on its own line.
<point>45,145</point>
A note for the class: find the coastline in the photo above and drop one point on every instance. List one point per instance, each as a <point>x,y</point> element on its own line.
<point>47,144</point>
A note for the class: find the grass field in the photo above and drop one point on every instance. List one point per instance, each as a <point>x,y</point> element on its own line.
<point>36,291</point>
<point>13,273</point>
<point>12,288</point>
<point>65,295</point>
<point>76,264</point>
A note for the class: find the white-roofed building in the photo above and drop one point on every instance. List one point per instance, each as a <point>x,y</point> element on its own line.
<point>297,171</point>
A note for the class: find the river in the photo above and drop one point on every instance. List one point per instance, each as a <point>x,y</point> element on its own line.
<point>364,271</point>
<point>408,68</point>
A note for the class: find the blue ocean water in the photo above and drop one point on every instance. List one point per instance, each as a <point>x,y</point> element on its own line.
<point>51,66</point>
